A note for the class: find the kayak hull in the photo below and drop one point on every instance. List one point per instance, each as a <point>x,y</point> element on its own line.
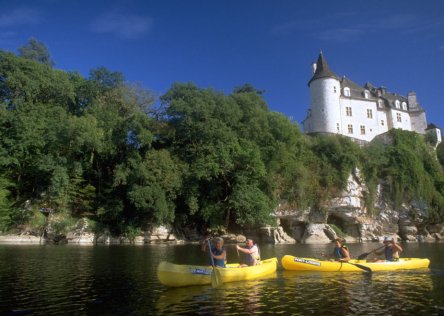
<point>175,275</point>
<point>309,264</point>
<point>178,275</point>
<point>233,273</point>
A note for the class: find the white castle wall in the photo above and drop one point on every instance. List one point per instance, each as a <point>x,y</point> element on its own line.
<point>405,123</point>
<point>325,109</point>
<point>383,122</point>
<point>359,117</point>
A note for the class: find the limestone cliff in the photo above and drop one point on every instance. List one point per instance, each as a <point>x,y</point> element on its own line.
<point>348,214</point>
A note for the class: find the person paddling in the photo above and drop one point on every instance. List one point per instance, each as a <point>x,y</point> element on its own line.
<point>341,252</point>
<point>252,251</point>
<point>391,250</point>
<point>217,251</point>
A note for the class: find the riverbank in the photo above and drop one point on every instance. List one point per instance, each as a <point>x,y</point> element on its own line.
<point>92,239</point>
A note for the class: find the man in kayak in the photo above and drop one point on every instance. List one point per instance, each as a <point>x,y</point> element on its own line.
<point>252,251</point>
<point>217,251</point>
<point>391,249</point>
<point>341,252</point>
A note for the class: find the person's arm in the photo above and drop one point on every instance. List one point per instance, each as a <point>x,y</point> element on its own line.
<point>345,255</point>
<point>244,250</point>
<point>396,247</point>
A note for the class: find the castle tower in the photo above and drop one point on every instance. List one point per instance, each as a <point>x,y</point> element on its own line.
<point>324,115</point>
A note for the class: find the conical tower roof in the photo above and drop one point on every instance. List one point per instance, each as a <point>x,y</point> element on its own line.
<point>322,70</point>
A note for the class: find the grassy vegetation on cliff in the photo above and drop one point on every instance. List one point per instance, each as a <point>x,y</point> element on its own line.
<point>98,147</point>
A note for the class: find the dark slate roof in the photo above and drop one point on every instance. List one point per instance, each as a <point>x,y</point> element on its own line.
<point>431,126</point>
<point>389,98</point>
<point>356,91</point>
<point>322,70</point>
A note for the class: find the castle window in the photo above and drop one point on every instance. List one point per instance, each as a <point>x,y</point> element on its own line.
<point>348,111</point>
<point>346,91</point>
<point>350,129</point>
<point>380,104</point>
<point>397,104</point>
<point>334,89</point>
<point>398,117</point>
<point>337,128</point>
<point>404,106</point>
<point>382,122</point>
<point>369,113</point>
<point>362,130</point>
<point>366,94</point>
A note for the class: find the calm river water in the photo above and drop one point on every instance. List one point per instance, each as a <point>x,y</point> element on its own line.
<point>121,280</point>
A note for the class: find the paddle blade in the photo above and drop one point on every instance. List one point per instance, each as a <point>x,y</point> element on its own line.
<point>216,278</point>
<point>363,256</point>
<point>364,268</point>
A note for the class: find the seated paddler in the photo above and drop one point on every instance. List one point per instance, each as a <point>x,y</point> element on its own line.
<point>341,252</point>
<point>252,252</point>
<point>391,250</point>
<point>217,251</point>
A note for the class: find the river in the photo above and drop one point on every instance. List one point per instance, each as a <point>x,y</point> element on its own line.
<point>121,280</point>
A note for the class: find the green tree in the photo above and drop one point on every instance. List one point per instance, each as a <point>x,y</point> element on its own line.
<point>36,51</point>
<point>440,154</point>
<point>225,172</point>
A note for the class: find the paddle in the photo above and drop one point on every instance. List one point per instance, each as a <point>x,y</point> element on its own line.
<point>365,254</point>
<point>215,276</point>
<point>360,266</point>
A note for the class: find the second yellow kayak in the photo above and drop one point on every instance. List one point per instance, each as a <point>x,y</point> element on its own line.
<point>310,264</point>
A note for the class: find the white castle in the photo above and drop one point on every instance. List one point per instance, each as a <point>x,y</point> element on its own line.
<point>340,106</point>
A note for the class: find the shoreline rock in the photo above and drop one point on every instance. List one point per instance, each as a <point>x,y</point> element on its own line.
<point>20,239</point>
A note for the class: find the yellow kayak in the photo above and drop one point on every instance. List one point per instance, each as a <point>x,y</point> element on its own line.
<point>176,275</point>
<point>309,264</point>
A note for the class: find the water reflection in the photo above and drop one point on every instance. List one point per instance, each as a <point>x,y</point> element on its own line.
<point>400,293</point>
<point>121,280</point>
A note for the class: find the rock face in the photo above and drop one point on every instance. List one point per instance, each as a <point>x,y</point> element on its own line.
<point>18,239</point>
<point>275,235</point>
<point>83,234</point>
<point>318,233</point>
<point>347,214</point>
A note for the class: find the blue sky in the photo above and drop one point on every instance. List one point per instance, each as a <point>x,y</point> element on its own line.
<point>223,44</point>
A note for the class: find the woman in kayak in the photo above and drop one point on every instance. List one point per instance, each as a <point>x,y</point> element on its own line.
<point>391,250</point>
<point>217,251</point>
<point>252,251</point>
<point>341,252</point>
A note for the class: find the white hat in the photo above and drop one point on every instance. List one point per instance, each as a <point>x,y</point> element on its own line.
<point>388,239</point>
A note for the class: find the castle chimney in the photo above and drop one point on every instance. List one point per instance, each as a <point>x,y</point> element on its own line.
<point>314,66</point>
<point>411,96</point>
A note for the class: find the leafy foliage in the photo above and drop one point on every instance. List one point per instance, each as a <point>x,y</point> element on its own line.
<point>97,147</point>
<point>37,51</point>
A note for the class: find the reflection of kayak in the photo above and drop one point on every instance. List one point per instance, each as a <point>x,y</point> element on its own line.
<point>175,275</point>
<point>309,264</point>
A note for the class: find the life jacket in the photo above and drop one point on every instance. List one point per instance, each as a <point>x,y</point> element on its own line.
<point>337,253</point>
<point>388,252</point>
<point>218,262</point>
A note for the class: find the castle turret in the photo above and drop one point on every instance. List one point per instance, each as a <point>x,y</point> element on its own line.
<point>324,114</point>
